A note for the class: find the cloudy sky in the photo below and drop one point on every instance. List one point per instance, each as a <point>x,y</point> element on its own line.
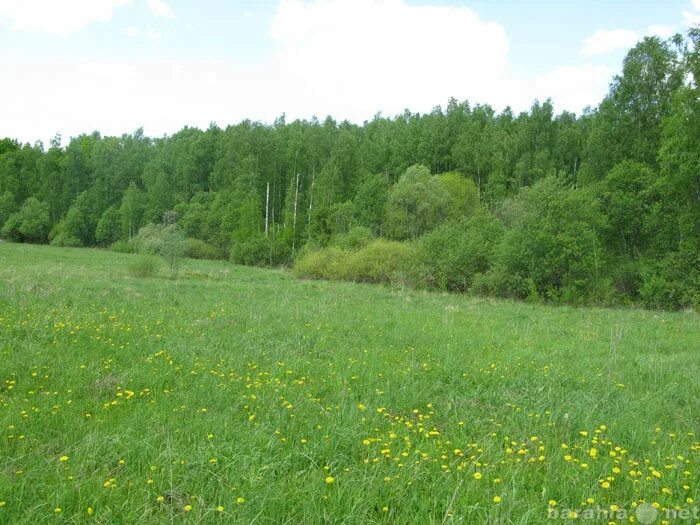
<point>74,66</point>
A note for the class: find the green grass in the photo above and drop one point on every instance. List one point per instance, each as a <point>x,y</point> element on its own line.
<point>247,390</point>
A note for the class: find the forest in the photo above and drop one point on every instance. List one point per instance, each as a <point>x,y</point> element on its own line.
<point>601,208</point>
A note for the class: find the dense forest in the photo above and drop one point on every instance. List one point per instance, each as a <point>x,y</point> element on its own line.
<point>599,208</point>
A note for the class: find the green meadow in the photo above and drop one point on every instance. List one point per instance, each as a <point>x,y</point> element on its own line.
<point>243,395</point>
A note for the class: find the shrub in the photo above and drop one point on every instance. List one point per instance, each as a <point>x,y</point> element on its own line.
<point>199,249</point>
<point>253,250</point>
<point>552,250</point>
<point>144,266</point>
<point>123,246</point>
<point>166,240</point>
<point>380,261</point>
<point>30,224</point>
<point>109,227</point>
<point>358,237</point>
<point>450,256</point>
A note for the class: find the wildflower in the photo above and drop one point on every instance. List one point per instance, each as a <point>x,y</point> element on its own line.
<point>240,500</point>
<point>552,503</point>
<point>496,499</point>
<point>361,407</point>
<point>63,459</point>
<point>605,485</point>
<point>220,508</point>
<point>57,510</point>
<point>90,511</point>
<point>477,475</point>
<point>330,479</point>
<point>187,508</point>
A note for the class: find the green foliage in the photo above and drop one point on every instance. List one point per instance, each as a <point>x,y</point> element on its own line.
<point>8,206</point>
<point>71,230</point>
<point>198,249</point>
<point>379,261</point>
<point>452,255</point>
<point>553,249</point>
<point>463,196</point>
<point>109,227</point>
<point>144,265</point>
<point>123,246</point>
<point>166,240</point>
<point>417,203</point>
<point>30,224</point>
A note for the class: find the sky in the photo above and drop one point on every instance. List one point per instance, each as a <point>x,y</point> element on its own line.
<point>76,66</point>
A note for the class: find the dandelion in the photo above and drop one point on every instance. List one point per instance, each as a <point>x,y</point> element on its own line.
<point>552,503</point>
<point>330,479</point>
<point>63,459</point>
<point>220,508</point>
<point>240,500</point>
<point>496,499</point>
<point>477,475</point>
<point>90,511</point>
<point>57,510</point>
<point>605,485</point>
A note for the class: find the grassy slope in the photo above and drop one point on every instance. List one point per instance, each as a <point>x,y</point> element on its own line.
<point>246,389</point>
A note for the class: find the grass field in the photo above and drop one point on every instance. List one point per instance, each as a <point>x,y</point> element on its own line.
<point>240,395</point>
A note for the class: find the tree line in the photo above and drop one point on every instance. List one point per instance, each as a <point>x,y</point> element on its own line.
<point>602,207</point>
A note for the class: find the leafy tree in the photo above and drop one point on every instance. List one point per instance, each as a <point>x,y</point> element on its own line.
<point>30,224</point>
<point>8,206</point>
<point>109,227</point>
<point>417,203</point>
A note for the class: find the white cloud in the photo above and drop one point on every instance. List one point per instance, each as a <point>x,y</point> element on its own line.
<point>663,31</point>
<point>347,58</point>
<point>160,8</point>
<point>605,41</point>
<point>691,18</point>
<point>356,57</point>
<point>149,32</point>
<point>54,17</point>
<point>696,4</point>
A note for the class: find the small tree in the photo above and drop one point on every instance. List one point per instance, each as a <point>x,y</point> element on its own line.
<point>166,240</point>
<point>109,227</point>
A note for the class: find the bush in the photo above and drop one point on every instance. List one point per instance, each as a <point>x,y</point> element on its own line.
<point>66,240</point>
<point>552,249</point>
<point>199,249</point>
<point>450,256</point>
<point>109,227</point>
<point>30,224</point>
<point>380,261</point>
<point>123,246</point>
<point>144,266</point>
<point>358,237</point>
<point>253,250</point>
<point>166,240</point>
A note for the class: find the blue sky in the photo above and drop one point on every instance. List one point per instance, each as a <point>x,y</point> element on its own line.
<point>114,65</point>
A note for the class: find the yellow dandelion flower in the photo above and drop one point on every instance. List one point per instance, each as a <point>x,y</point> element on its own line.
<point>240,500</point>
<point>220,508</point>
<point>187,508</point>
<point>57,510</point>
<point>605,485</point>
<point>330,479</point>
<point>477,475</point>
<point>552,503</point>
<point>90,511</point>
<point>496,499</point>
<point>63,459</point>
